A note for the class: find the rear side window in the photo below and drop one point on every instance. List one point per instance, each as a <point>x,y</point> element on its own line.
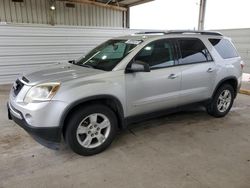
<point>193,51</point>
<point>224,47</point>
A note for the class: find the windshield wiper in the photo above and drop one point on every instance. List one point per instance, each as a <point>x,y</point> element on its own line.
<point>72,61</point>
<point>84,65</point>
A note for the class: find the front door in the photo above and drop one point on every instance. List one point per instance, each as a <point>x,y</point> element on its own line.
<point>157,89</point>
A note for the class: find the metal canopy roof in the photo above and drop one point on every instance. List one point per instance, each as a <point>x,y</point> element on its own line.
<point>123,3</point>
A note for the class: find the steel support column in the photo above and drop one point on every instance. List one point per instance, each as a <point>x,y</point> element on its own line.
<point>128,18</point>
<point>202,14</point>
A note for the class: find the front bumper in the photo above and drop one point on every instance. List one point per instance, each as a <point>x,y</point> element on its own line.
<point>47,136</point>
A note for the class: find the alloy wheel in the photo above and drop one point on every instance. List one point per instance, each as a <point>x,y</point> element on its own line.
<point>93,130</point>
<point>224,101</point>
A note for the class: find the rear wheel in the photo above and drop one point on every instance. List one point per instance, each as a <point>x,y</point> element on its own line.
<point>222,101</point>
<point>91,129</point>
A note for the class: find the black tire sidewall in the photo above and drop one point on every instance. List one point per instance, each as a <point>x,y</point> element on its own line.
<point>214,106</point>
<point>74,122</point>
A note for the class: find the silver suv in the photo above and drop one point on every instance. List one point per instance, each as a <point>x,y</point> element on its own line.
<point>126,79</point>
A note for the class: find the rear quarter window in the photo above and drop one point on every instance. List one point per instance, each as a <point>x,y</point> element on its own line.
<point>224,47</point>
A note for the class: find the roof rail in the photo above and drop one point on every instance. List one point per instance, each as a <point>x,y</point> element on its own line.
<point>179,32</point>
<point>151,33</point>
<point>194,32</point>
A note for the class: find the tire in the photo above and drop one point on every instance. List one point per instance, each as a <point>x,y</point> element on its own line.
<point>221,104</point>
<point>91,129</point>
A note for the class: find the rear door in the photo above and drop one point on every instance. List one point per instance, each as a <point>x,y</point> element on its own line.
<point>197,69</point>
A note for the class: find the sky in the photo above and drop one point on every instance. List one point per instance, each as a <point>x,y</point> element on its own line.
<point>183,14</point>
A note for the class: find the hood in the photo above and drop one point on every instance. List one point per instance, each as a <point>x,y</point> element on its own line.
<point>61,73</point>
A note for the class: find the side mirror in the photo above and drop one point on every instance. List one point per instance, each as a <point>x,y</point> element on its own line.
<point>138,66</point>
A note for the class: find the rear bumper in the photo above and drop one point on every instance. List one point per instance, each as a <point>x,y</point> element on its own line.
<point>47,136</point>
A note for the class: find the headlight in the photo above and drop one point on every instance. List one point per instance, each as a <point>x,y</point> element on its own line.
<point>42,92</point>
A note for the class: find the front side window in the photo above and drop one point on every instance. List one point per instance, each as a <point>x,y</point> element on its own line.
<point>224,47</point>
<point>158,54</point>
<point>193,51</point>
<point>108,55</point>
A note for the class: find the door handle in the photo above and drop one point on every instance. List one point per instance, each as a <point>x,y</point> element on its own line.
<point>210,70</point>
<point>172,76</point>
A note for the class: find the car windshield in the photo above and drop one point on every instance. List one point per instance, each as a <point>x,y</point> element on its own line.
<point>108,55</point>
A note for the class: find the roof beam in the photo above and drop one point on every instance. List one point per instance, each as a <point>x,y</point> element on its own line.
<point>97,4</point>
<point>123,2</point>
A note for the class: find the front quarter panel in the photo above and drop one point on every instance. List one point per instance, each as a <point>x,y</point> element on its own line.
<point>111,84</point>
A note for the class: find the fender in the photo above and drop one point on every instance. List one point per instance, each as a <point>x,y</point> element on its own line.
<point>224,80</point>
<point>93,98</point>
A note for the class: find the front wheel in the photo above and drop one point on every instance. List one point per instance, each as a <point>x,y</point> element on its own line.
<point>91,129</point>
<point>222,101</point>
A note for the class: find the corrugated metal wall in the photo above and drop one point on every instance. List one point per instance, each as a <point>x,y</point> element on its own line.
<point>241,39</point>
<point>27,47</point>
<point>24,47</point>
<point>38,12</point>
